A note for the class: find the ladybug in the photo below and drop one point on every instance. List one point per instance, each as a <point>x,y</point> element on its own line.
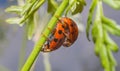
<point>65,33</point>
<point>72,34</point>
<point>56,39</point>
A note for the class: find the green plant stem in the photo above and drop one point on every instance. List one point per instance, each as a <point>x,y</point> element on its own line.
<point>41,41</point>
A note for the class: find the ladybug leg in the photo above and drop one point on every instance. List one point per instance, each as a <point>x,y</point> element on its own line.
<point>66,34</point>
<point>46,47</point>
<point>67,41</point>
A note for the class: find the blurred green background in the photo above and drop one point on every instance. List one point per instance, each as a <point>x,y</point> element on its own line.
<point>79,57</point>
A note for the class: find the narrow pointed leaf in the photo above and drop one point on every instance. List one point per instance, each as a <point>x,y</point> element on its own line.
<point>30,27</point>
<point>78,7</point>
<point>52,6</point>
<point>15,20</point>
<point>90,17</point>
<point>110,43</point>
<point>14,9</point>
<point>111,26</point>
<point>113,3</point>
<point>104,58</point>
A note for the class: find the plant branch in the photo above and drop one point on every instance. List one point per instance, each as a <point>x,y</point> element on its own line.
<point>41,41</point>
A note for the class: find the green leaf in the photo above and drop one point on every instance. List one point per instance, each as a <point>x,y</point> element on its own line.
<point>52,6</point>
<point>14,9</point>
<point>104,58</point>
<point>113,46</point>
<point>78,7</point>
<point>75,6</point>
<point>90,17</point>
<point>98,45</point>
<point>30,27</point>
<point>113,3</point>
<point>111,58</point>
<point>83,2</point>
<point>32,11</point>
<point>97,36</point>
<point>15,20</point>
<point>27,7</point>
<point>111,30</point>
<point>95,32</point>
<point>111,26</point>
<point>110,43</point>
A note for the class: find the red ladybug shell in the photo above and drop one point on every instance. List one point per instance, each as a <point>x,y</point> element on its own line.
<point>56,40</point>
<point>72,35</point>
<point>65,33</point>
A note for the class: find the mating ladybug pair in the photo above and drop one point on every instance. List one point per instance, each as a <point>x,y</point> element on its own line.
<point>65,33</point>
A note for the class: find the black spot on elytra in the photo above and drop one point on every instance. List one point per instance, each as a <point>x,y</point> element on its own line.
<point>71,25</point>
<point>63,26</point>
<point>60,31</point>
<point>55,39</point>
